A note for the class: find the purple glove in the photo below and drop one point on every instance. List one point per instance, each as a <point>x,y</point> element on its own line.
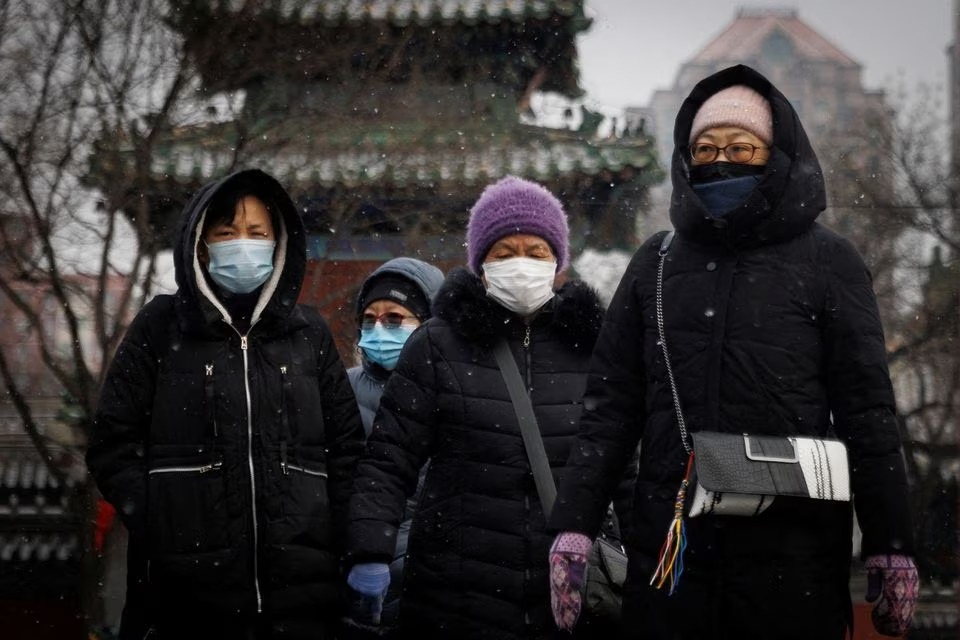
<point>893,579</point>
<point>568,576</point>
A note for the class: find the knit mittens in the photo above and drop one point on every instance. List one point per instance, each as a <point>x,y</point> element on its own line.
<point>894,580</point>
<point>568,575</point>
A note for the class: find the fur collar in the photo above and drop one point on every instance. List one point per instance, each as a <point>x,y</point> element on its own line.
<point>574,315</point>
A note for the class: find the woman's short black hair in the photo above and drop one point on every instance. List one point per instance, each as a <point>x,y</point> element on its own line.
<point>223,206</point>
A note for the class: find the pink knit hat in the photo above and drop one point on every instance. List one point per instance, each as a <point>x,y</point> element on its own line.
<point>736,106</point>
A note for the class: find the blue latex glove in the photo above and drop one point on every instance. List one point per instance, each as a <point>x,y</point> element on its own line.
<point>369,580</point>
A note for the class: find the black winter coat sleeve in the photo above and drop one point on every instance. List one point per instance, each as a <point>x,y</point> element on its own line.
<point>862,404</point>
<point>343,427</point>
<point>612,422</point>
<point>623,496</point>
<point>116,450</point>
<point>402,439</point>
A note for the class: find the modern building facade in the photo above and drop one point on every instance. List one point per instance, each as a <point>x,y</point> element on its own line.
<point>822,82</point>
<point>954,83</point>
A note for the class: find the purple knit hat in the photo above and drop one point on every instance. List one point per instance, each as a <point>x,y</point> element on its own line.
<point>514,205</point>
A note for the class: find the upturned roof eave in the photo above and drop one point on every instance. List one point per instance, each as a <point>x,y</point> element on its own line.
<point>450,157</point>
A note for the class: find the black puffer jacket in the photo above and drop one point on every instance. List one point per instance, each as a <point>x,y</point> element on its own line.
<point>772,328</point>
<point>477,560</point>
<point>229,456</point>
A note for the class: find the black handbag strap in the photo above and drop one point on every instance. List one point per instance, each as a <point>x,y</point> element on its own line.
<point>529,429</point>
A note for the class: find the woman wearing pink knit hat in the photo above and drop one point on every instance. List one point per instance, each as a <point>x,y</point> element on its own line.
<point>477,555</point>
<point>749,322</point>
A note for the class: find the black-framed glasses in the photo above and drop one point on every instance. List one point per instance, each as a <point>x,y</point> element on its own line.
<point>389,320</point>
<point>736,152</point>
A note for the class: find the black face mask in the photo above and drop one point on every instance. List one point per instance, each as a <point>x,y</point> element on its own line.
<point>704,173</point>
<point>723,196</point>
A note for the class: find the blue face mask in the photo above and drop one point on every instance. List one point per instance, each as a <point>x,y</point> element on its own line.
<point>723,196</point>
<point>240,266</point>
<point>382,346</point>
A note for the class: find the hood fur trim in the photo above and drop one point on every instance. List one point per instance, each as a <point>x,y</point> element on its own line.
<point>574,315</point>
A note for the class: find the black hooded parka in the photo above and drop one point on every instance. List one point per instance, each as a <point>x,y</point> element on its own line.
<point>229,454</point>
<point>477,557</point>
<point>772,328</point>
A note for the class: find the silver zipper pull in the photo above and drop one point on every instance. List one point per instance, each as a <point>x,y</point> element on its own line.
<point>526,338</point>
<point>243,343</point>
<point>209,368</point>
<point>210,467</point>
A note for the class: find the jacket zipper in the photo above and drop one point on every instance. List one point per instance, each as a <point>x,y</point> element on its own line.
<point>253,487</point>
<point>528,358</point>
<point>199,468</point>
<point>295,467</point>
<point>526,498</point>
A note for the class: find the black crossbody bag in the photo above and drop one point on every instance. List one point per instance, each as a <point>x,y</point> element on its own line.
<point>607,560</point>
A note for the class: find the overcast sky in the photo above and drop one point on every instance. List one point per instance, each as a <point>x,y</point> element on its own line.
<point>636,46</point>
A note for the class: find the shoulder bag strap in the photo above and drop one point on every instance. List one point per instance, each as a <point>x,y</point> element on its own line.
<point>529,429</point>
<point>670,563</point>
<point>664,248</point>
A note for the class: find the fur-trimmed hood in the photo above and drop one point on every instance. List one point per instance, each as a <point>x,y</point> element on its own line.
<point>575,313</point>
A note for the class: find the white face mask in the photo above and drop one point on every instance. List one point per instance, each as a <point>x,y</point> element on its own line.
<point>522,285</point>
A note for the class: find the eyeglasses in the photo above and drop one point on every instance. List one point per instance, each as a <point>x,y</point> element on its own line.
<point>389,320</point>
<point>736,152</point>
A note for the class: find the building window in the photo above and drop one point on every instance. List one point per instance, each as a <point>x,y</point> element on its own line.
<point>777,50</point>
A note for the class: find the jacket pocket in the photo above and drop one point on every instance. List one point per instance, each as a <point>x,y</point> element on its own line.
<point>306,517</point>
<point>187,510</point>
<point>302,543</point>
<point>304,489</point>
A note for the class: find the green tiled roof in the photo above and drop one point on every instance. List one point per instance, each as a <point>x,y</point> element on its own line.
<point>407,11</point>
<point>465,163</point>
